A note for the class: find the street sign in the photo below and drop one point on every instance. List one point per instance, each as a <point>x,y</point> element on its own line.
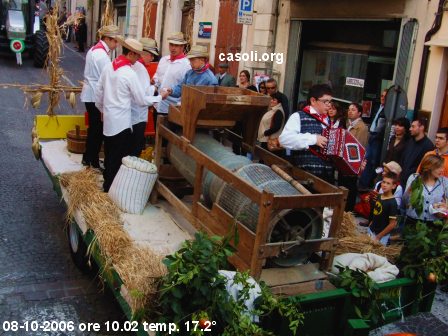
<point>205,30</point>
<point>17,45</point>
<point>245,12</point>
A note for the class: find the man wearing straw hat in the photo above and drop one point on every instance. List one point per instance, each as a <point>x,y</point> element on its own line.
<point>117,88</point>
<point>96,59</point>
<point>140,112</point>
<point>200,73</point>
<point>172,69</point>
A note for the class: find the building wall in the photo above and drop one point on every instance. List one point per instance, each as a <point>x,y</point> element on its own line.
<point>206,11</point>
<point>171,21</point>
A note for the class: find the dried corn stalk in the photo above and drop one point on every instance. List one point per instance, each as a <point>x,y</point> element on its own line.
<point>108,15</point>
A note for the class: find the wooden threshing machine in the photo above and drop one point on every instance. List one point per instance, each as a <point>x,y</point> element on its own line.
<point>280,227</point>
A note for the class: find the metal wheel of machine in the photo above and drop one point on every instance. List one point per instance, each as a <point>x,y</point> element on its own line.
<point>40,51</point>
<point>78,249</point>
<point>300,224</point>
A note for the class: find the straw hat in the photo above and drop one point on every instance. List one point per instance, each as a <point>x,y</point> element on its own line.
<point>131,44</point>
<point>393,167</point>
<point>149,45</point>
<point>109,31</point>
<point>177,38</point>
<point>223,65</point>
<point>197,51</point>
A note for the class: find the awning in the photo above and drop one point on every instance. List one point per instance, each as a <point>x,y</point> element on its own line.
<point>439,42</point>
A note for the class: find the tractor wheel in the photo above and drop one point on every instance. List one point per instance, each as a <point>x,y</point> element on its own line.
<point>78,248</point>
<point>40,51</point>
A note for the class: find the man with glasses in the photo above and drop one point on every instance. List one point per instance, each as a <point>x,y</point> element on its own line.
<point>272,87</point>
<point>304,130</point>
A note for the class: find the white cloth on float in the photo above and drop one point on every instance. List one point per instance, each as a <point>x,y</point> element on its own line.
<point>377,267</point>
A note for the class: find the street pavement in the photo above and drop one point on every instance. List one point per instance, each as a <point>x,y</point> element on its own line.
<point>38,280</point>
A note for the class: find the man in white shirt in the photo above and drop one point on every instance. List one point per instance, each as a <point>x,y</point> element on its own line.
<point>140,112</point>
<point>96,59</point>
<point>303,133</point>
<point>117,88</point>
<point>171,70</point>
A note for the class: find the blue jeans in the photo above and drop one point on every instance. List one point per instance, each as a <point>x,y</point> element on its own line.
<point>384,240</point>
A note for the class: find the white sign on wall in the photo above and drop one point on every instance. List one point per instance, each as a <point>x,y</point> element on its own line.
<point>358,82</point>
<point>245,11</point>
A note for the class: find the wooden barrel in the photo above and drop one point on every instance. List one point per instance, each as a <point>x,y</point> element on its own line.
<point>76,140</point>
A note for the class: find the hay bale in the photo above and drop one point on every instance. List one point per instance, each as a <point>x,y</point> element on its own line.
<point>351,241</point>
<point>139,268</point>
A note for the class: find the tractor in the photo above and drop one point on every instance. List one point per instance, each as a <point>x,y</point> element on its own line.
<point>21,30</point>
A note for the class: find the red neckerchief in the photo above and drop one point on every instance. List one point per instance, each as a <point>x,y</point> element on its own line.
<point>120,61</point>
<point>180,56</point>
<point>203,69</point>
<point>141,61</point>
<point>99,45</point>
<point>322,118</point>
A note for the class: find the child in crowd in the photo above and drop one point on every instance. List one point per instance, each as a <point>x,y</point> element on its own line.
<point>384,211</point>
<point>395,168</point>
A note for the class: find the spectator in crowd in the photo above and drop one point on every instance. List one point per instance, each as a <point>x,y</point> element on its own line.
<point>262,87</point>
<point>390,167</point>
<point>303,133</point>
<point>441,150</point>
<point>81,33</point>
<point>272,87</point>
<point>358,129</point>
<point>398,140</point>
<point>336,115</point>
<point>374,146</point>
<point>199,74</point>
<point>271,125</point>
<point>62,16</point>
<point>245,81</point>
<point>171,70</point>
<point>384,211</point>
<point>415,149</point>
<point>425,192</point>
<point>152,56</point>
<point>223,77</point>
<point>355,125</point>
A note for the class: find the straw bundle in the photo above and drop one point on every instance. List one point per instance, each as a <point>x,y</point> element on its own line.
<point>108,15</point>
<point>351,241</point>
<point>139,268</point>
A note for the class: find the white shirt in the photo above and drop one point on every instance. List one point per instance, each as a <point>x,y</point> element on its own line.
<point>140,112</point>
<point>114,94</point>
<point>96,60</point>
<point>168,75</point>
<point>291,138</point>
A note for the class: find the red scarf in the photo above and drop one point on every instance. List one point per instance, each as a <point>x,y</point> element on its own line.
<point>120,61</point>
<point>180,56</point>
<point>322,118</point>
<point>99,45</point>
<point>203,69</point>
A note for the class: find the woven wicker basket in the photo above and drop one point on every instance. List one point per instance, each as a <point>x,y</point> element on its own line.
<point>76,140</point>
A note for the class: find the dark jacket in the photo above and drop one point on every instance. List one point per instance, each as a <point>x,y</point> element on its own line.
<point>412,155</point>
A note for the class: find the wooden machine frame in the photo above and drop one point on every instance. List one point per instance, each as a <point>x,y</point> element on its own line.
<point>220,107</point>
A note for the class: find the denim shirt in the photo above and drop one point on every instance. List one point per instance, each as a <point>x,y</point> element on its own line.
<point>435,194</point>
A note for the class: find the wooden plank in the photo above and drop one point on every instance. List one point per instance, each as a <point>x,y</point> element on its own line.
<point>269,158</point>
<point>197,191</point>
<point>312,245</point>
<point>261,236</point>
<point>291,275</point>
<point>221,223</point>
<point>308,201</point>
<point>319,185</point>
<point>310,287</point>
<point>56,127</point>
<point>178,204</point>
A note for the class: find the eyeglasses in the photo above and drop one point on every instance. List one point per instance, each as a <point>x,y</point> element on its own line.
<point>325,101</point>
